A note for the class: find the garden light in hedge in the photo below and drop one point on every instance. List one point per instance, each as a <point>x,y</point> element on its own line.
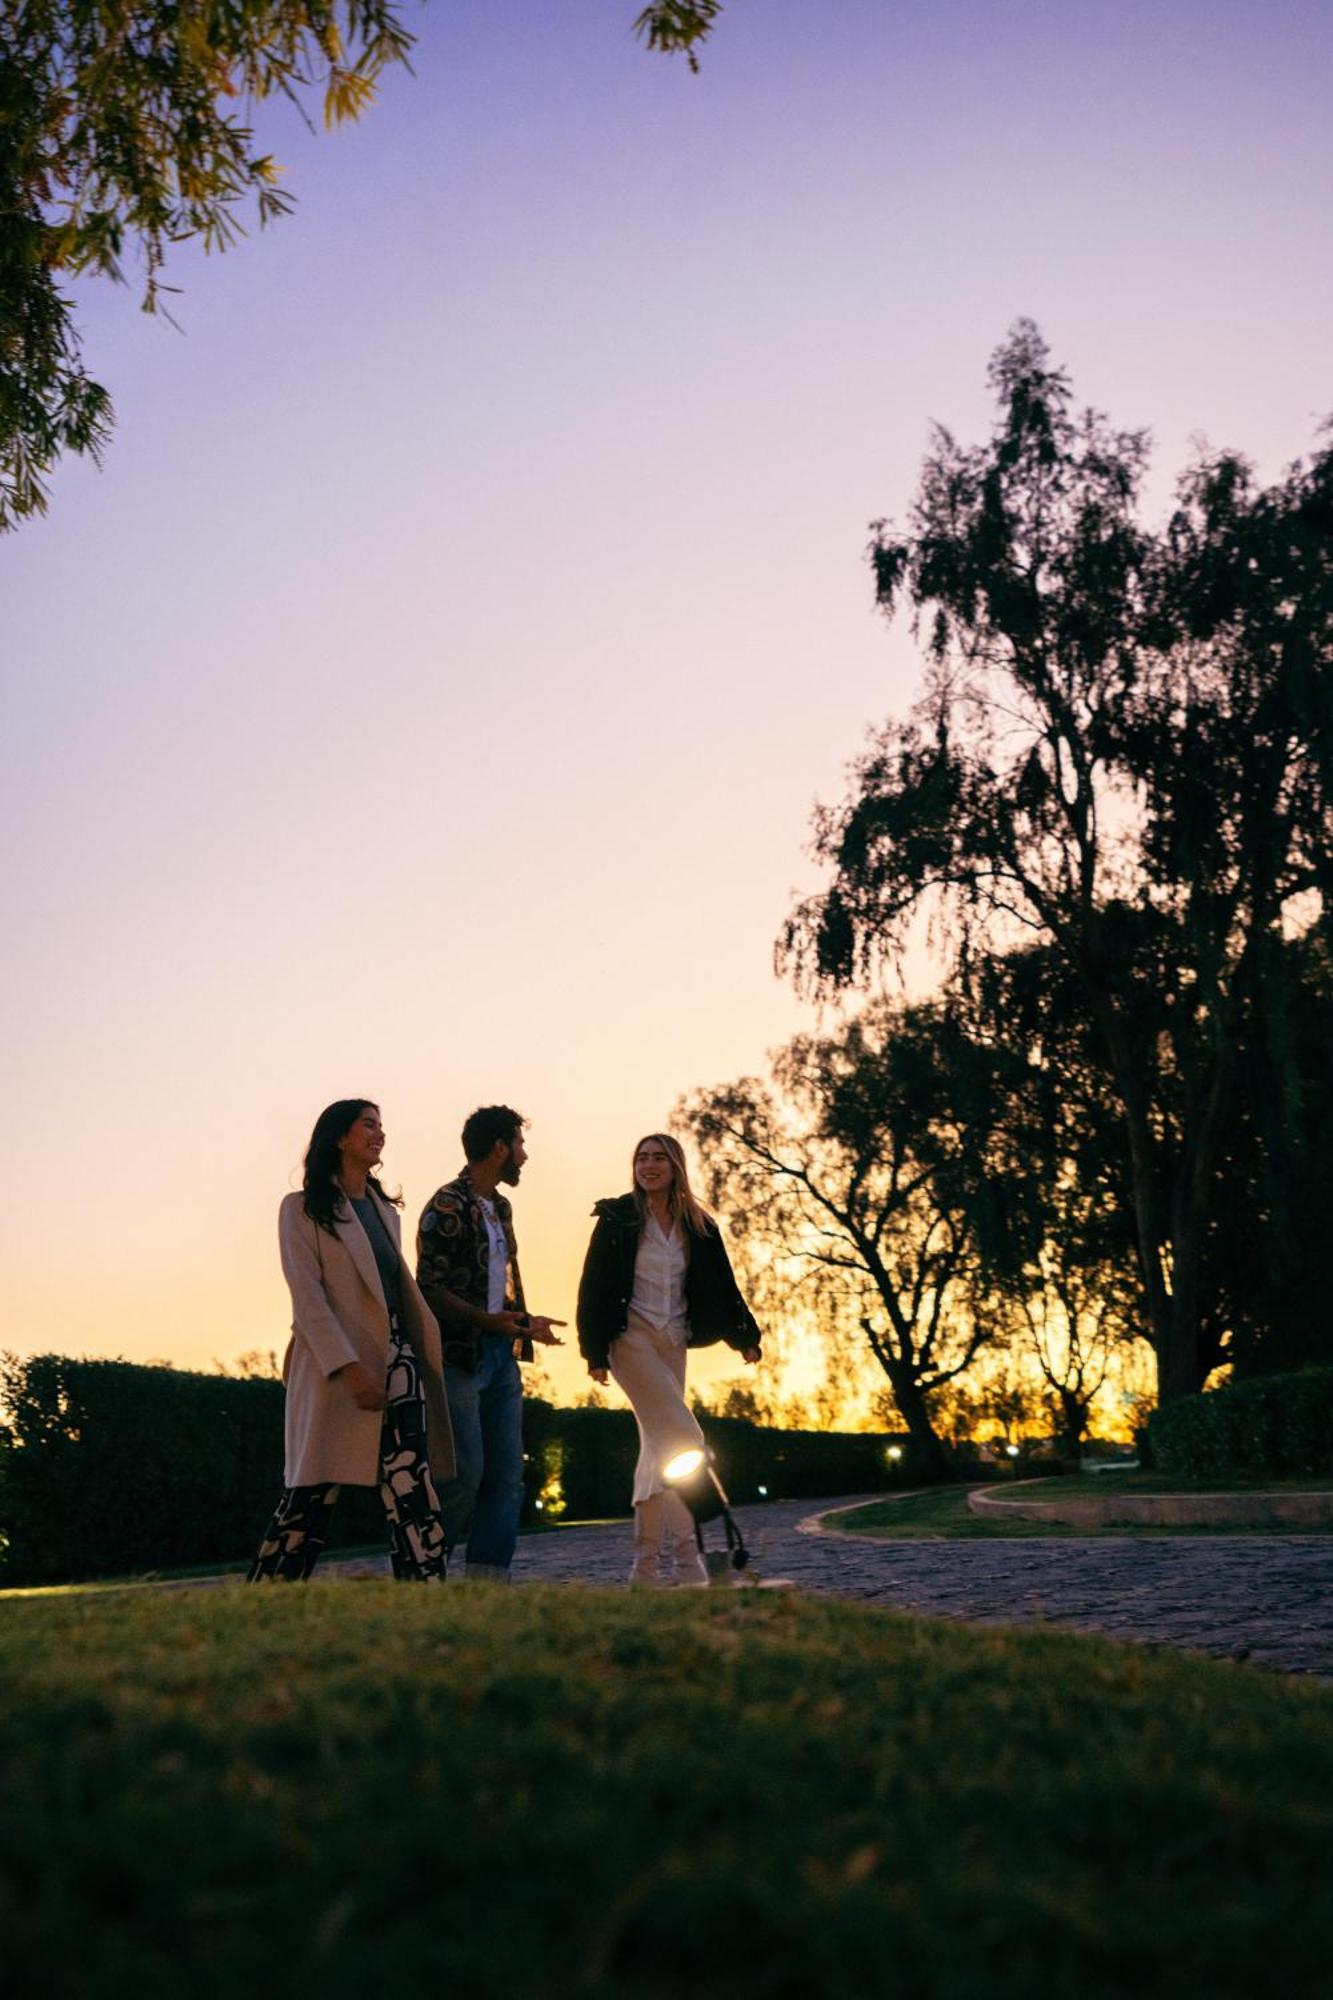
<point>692,1473</point>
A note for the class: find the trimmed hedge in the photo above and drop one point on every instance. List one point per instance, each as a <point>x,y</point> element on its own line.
<point>1274,1426</point>
<point>583,1461</point>
<point>109,1468</point>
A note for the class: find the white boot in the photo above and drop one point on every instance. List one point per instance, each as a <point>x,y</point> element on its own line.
<point>649,1521</point>
<point>691,1570</point>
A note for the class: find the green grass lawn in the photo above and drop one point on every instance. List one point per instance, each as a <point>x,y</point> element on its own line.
<point>356,1789</point>
<point>943,1511</point>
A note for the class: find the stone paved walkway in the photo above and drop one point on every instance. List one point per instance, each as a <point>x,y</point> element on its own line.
<point>1266,1598</point>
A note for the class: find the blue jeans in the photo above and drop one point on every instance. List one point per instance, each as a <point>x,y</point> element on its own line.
<point>480,1505</point>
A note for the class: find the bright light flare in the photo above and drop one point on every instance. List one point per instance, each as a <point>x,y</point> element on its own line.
<point>683,1464</point>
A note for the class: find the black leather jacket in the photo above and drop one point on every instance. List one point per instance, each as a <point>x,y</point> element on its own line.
<point>713,1302</point>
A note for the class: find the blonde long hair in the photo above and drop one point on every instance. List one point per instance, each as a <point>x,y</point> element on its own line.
<point>682,1203</point>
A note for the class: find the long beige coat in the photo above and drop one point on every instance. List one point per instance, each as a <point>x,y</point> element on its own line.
<point>339,1315</point>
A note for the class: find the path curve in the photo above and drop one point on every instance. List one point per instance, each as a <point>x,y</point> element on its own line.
<point>1265,1598</point>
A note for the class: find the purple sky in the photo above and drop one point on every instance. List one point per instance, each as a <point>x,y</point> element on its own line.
<point>429,697</point>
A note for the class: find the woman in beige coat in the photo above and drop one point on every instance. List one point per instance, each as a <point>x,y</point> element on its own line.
<point>364,1372</point>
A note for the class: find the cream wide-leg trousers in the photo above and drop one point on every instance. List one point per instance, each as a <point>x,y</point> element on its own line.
<point>650,1367</point>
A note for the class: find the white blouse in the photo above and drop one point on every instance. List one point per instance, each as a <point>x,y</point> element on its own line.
<point>497,1260</point>
<point>659,1279</point>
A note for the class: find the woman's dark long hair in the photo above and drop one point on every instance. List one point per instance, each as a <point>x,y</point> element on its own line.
<point>322,1161</point>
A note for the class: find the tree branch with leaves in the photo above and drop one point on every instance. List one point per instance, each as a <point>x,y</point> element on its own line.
<point>126,127</point>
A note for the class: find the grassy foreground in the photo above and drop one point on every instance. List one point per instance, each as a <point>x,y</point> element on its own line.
<point>943,1511</point>
<point>354,1790</point>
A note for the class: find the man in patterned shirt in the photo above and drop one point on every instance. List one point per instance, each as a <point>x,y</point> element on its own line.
<point>467,1268</point>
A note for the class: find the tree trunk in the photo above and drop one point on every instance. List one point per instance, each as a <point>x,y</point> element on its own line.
<point>928,1455</point>
<point>1073,1422</point>
<point>929,1458</point>
<point>1172,1313</point>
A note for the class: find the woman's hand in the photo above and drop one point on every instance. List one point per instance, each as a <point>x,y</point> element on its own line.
<point>366,1392</point>
<point>602,1375</point>
<point>750,1354</point>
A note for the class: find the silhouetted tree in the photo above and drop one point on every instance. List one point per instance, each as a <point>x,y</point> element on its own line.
<point>1123,752</point>
<point>870,1182</point>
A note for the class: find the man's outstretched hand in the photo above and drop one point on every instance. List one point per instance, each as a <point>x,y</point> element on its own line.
<point>529,1326</point>
<point>539,1329</point>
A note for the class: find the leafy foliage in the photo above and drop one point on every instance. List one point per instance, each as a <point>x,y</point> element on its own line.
<point>126,123</point>
<point>676,27</point>
<point>1278,1425</point>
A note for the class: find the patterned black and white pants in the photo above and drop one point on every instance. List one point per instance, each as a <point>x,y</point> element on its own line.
<point>297,1534</point>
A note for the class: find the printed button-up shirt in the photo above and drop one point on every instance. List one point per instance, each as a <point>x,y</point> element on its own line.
<point>454,1255</point>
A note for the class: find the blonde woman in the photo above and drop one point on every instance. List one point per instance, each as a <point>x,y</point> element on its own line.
<point>656,1281</point>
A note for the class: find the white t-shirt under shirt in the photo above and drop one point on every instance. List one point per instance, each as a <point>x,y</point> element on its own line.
<point>497,1260</point>
<point>659,1280</point>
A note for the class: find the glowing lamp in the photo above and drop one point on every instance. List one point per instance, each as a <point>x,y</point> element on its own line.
<point>691,1473</point>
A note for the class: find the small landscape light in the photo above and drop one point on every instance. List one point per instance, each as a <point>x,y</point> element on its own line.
<point>1011,1450</point>
<point>763,1493</point>
<point>894,1453</point>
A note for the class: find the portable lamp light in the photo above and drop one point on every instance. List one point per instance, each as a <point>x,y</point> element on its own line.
<point>692,1473</point>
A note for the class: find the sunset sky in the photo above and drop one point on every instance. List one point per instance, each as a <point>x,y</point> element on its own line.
<point>429,697</point>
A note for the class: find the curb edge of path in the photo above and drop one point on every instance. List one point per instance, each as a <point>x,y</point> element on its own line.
<point>814,1524</point>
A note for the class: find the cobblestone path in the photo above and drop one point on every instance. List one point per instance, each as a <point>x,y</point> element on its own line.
<point>1266,1598</point>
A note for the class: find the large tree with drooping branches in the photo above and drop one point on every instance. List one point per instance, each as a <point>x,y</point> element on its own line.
<point>1123,754</point>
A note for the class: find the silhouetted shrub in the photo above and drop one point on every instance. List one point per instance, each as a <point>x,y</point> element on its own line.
<point>582,1461</point>
<point>109,1468</point>
<point>1274,1426</point>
